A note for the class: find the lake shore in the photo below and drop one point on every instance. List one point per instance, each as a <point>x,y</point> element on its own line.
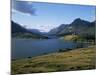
<point>78,59</point>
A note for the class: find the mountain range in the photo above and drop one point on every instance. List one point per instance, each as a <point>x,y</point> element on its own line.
<point>18,31</point>
<point>78,27</point>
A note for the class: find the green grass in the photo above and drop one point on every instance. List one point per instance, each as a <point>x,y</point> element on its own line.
<point>78,59</point>
<point>77,38</point>
<point>71,38</point>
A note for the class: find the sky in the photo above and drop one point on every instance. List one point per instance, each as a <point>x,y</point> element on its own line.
<point>46,16</point>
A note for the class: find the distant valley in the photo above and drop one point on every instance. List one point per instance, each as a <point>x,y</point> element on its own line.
<point>77,27</point>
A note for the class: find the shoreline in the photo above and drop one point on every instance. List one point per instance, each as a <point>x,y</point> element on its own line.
<point>78,59</point>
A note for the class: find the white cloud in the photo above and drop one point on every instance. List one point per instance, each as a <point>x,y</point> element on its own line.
<point>45,28</point>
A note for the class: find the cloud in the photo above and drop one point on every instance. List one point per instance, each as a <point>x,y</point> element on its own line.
<point>23,7</point>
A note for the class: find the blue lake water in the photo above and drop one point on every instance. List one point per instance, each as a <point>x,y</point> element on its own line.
<point>22,48</point>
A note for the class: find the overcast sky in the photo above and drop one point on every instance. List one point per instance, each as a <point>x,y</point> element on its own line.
<point>45,16</point>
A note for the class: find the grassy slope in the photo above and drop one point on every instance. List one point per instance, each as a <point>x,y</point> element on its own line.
<point>79,59</point>
<point>70,37</point>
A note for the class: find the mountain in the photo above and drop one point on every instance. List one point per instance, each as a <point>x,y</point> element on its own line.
<point>89,32</point>
<point>77,26</point>
<point>16,28</point>
<point>57,30</point>
<point>18,31</point>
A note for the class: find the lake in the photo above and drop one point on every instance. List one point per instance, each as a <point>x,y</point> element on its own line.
<point>22,48</point>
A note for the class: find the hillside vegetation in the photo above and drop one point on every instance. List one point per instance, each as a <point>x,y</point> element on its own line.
<point>78,59</point>
<point>18,31</point>
<point>78,27</point>
<point>70,37</point>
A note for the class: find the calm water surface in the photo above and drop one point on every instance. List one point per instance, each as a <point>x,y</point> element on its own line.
<point>22,48</point>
